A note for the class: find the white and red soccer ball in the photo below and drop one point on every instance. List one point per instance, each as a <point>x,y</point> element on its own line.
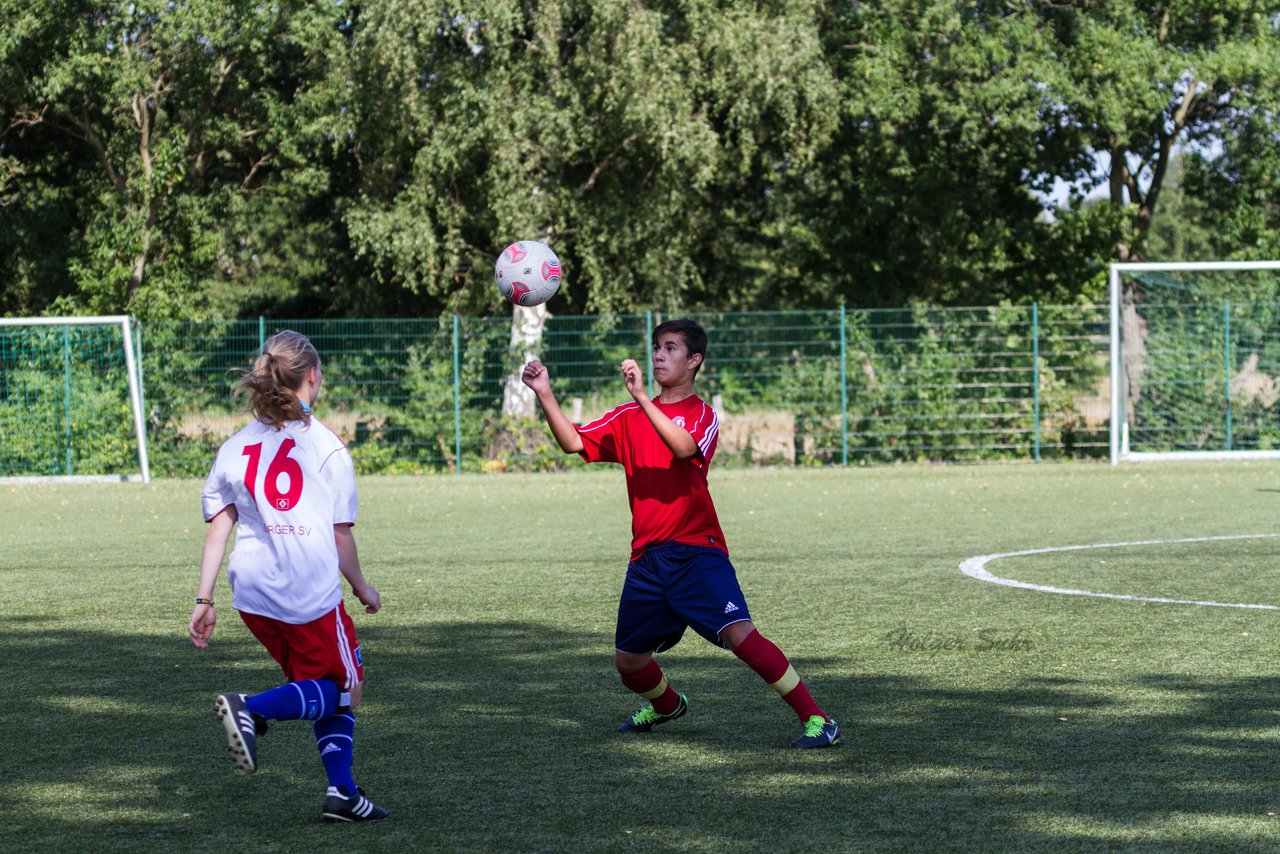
<point>528,273</point>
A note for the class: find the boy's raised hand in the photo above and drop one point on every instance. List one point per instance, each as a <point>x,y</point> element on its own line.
<point>535,376</point>
<point>632,376</point>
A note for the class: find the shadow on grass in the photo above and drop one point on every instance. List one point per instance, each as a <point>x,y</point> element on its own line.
<point>501,736</point>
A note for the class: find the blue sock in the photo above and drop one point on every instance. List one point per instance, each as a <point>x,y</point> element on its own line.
<point>335,740</point>
<point>310,699</point>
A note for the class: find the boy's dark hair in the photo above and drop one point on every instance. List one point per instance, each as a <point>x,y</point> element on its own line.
<point>695,337</point>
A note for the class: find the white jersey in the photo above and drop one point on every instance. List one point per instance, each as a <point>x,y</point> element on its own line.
<point>290,487</point>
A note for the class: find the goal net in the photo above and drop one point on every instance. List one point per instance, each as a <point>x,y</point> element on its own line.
<point>71,399</point>
<point>1195,360</point>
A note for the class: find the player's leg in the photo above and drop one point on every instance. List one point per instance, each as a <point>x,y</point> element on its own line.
<point>244,717</point>
<point>645,623</point>
<point>648,680</point>
<point>343,800</point>
<point>706,594</point>
<point>299,699</point>
<point>772,665</point>
<point>303,700</point>
<point>323,663</point>
<point>332,649</point>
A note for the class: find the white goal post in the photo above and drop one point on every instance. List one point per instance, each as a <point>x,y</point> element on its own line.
<point>1180,370</point>
<point>62,409</point>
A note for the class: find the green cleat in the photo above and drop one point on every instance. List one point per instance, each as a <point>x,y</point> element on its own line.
<point>646,719</point>
<point>818,732</point>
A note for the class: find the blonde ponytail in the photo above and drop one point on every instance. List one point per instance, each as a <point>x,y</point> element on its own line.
<point>278,372</point>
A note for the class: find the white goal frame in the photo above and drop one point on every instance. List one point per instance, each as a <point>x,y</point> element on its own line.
<point>1120,451</point>
<point>133,368</point>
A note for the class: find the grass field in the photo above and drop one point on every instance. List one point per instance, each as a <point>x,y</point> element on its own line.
<point>976,716</point>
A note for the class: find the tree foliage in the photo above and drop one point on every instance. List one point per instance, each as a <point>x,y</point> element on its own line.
<point>641,141</point>
<point>949,143</point>
<point>147,140</point>
<point>193,158</point>
<point>1145,79</point>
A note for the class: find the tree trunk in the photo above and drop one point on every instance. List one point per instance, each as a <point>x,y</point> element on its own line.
<point>526,338</point>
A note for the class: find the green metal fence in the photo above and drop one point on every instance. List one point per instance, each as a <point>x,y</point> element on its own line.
<point>795,388</point>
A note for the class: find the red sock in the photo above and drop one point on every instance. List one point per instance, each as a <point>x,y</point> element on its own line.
<point>649,683</point>
<point>763,656</point>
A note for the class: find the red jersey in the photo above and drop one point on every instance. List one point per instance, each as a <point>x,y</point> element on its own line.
<point>670,501</point>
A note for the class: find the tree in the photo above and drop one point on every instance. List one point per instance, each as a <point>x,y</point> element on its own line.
<point>1180,232</point>
<point>936,187</point>
<point>309,157</point>
<point>152,134</point>
<point>1146,79</point>
<point>958,120</point>
<point>642,142</point>
<point>1238,188</point>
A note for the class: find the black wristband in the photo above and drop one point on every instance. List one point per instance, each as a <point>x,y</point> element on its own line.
<point>208,602</point>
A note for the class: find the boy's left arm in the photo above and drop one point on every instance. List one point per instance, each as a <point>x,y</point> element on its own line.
<point>676,438</point>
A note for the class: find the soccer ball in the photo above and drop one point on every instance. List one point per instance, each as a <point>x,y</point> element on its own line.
<point>528,273</point>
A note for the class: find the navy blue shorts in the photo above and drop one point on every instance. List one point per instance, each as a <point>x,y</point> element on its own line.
<point>673,587</point>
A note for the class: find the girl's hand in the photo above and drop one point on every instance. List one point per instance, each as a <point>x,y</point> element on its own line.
<point>370,598</point>
<point>200,628</point>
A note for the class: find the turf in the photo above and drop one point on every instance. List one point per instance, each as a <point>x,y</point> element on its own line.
<point>976,716</point>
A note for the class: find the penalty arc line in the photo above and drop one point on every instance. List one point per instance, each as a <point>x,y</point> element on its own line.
<point>976,567</point>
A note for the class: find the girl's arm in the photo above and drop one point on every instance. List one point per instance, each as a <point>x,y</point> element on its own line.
<point>204,617</point>
<point>349,566</point>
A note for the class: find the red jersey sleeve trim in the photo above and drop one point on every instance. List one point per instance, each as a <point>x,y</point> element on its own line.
<point>331,453</point>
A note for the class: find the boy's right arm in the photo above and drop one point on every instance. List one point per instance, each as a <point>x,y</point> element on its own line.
<point>535,377</point>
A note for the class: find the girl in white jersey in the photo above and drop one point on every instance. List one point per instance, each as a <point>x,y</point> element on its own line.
<point>286,485</point>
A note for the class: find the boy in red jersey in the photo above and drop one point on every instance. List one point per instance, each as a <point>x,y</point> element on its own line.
<point>679,575</point>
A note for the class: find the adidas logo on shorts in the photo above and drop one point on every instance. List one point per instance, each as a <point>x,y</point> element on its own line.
<point>729,607</point>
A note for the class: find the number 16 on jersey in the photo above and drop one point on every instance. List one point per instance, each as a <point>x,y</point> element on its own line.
<point>281,465</point>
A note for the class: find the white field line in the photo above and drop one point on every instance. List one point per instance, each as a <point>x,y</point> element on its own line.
<point>976,567</point>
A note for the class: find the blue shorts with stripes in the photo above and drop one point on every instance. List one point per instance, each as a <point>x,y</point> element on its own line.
<point>672,587</point>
